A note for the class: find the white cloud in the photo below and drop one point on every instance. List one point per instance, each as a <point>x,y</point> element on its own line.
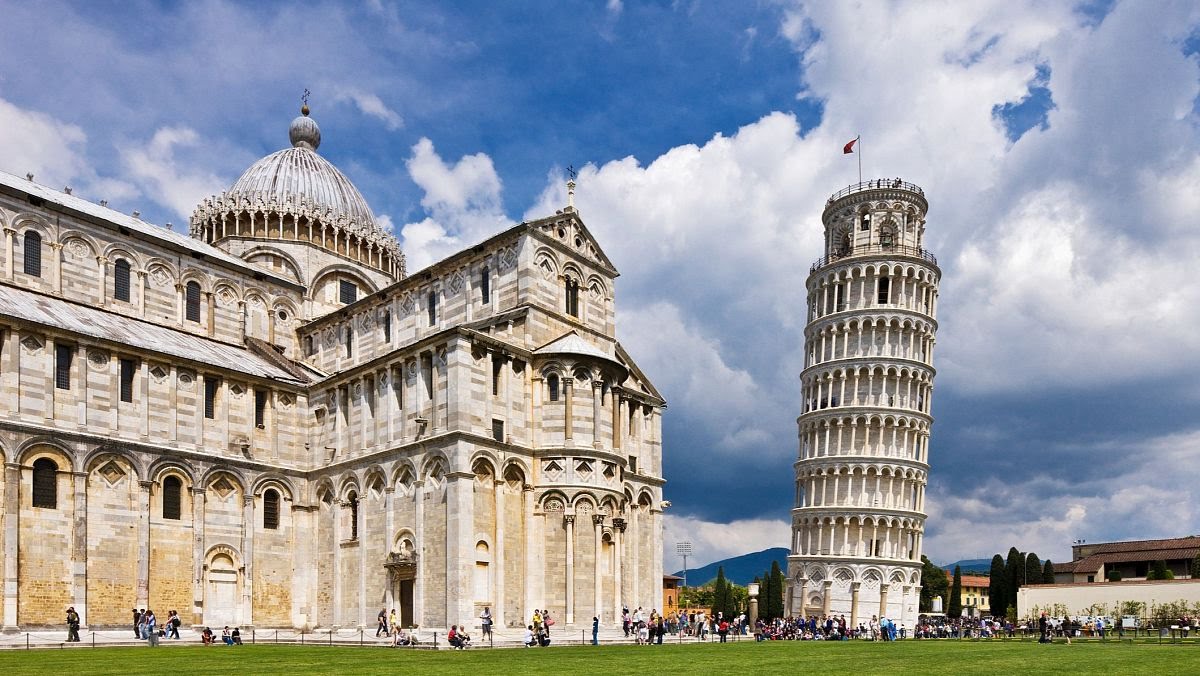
<point>175,184</point>
<point>714,541</point>
<point>462,200</point>
<point>371,105</point>
<point>34,142</point>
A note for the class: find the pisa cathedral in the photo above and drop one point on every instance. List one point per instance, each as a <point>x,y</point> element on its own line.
<point>270,423</point>
<point>865,411</point>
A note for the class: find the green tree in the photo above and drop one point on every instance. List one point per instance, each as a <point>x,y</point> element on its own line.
<point>1159,571</point>
<point>720,597</point>
<point>774,602</point>
<point>1033,569</point>
<point>1195,568</point>
<point>1113,575</point>
<point>1014,571</point>
<point>933,584</point>
<point>998,588</point>
<point>954,605</point>
<point>1048,573</point>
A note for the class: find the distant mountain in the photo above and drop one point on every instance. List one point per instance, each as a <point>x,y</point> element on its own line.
<point>981,566</point>
<point>740,569</point>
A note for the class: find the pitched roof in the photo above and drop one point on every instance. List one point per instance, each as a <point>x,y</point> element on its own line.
<point>95,323</point>
<point>571,343</point>
<point>162,235</point>
<point>1134,550</point>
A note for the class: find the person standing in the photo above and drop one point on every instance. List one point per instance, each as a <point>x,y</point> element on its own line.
<point>595,630</point>
<point>486,622</point>
<point>173,624</point>
<point>151,628</point>
<point>137,623</point>
<point>393,623</point>
<point>72,625</point>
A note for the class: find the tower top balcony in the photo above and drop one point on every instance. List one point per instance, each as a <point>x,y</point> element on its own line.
<point>881,187</point>
<point>883,217</point>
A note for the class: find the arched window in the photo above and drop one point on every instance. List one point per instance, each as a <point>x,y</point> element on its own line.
<point>887,236</point>
<point>192,300</point>
<point>172,489</point>
<point>353,502</point>
<point>45,483</point>
<point>552,384</point>
<point>885,288</point>
<point>865,224</point>
<point>485,285</point>
<point>32,248</point>
<point>431,307</point>
<point>483,578</point>
<point>121,280</point>
<point>572,297</point>
<point>271,509</point>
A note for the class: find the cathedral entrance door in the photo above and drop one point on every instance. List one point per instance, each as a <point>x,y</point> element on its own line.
<point>406,602</point>
<point>221,598</point>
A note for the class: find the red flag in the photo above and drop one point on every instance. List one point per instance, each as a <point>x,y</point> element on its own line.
<point>849,147</point>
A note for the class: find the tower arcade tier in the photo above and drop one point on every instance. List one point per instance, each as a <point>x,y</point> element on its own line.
<point>865,409</point>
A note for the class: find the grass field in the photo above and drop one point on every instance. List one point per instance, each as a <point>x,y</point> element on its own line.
<point>906,657</point>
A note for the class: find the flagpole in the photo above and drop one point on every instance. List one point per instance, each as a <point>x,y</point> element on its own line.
<point>859,139</point>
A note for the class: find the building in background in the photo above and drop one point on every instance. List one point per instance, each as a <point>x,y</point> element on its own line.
<point>1131,560</point>
<point>270,423</point>
<point>865,409</point>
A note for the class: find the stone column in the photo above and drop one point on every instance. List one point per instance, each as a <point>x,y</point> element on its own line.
<point>102,263</point>
<point>568,417</point>
<point>248,559</point>
<point>143,569</point>
<point>598,570</point>
<point>304,580</point>
<point>12,508</point>
<point>10,370</point>
<point>79,546</point>
<point>141,291</point>
<point>826,597</point>
<point>616,421</point>
<point>569,522</point>
<point>803,596</point>
<point>883,600</point>
<point>144,399</point>
<point>419,532</point>
<point>460,551</point>
<point>854,587</point>
<point>9,235</point>
<point>597,392</point>
<point>532,560</point>
<point>498,567</point>
<point>389,503</point>
<point>636,576</point>
<point>197,555</point>
<point>618,563</point>
<point>81,390</point>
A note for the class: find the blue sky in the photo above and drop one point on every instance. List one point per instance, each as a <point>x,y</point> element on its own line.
<point>1057,143</point>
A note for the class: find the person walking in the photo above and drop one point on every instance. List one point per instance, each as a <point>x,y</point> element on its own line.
<point>173,625</point>
<point>151,625</point>
<point>595,630</point>
<point>381,627</point>
<point>137,623</point>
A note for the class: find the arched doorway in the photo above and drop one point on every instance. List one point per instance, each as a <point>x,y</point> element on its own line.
<point>222,595</point>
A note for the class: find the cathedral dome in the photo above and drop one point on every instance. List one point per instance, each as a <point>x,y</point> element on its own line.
<point>297,195</point>
<point>299,174</point>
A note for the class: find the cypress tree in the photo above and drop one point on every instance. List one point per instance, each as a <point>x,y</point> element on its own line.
<point>1159,571</point>
<point>1015,573</point>
<point>1033,569</point>
<point>775,602</point>
<point>1048,573</point>
<point>954,605</point>
<point>998,588</point>
<point>720,592</point>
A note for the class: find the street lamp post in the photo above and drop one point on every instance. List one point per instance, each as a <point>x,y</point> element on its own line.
<point>683,549</point>
<point>752,591</point>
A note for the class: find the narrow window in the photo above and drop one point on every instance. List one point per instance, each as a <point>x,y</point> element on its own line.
<point>572,297</point>
<point>498,429</point>
<point>347,291</point>
<point>172,488</point>
<point>387,326</point>
<point>260,408</point>
<point>308,346</point>
<point>497,372</point>
<point>432,307</point>
<point>121,280</point>
<point>128,369</point>
<point>353,516</point>
<point>210,397</point>
<point>192,302</point>
<point>838,305</point>
<point>62,366</point>
<point>632,464</point>
<point>348,341</point>
<point>485,285</point>
<point>45,483</point>
<point>32,248</point>
<point>866,223</point>
<point>271,509</point>
<point>552,383</point>
<point>885,287</point>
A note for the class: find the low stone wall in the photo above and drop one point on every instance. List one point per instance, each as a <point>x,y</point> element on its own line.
<point>1079,598</point>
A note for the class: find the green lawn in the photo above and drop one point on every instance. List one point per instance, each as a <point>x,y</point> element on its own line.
<point>905,657</point>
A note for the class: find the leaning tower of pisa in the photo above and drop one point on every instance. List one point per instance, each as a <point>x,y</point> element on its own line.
<point>864,419</point>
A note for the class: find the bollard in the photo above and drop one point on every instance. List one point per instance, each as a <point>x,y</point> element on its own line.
<point>435,639</point>
<point>253,634</point>
<point>360,637</point>
<point>93,639</point>
<point>27,641</point>
<point>331,636</point>
<point>276,636</point>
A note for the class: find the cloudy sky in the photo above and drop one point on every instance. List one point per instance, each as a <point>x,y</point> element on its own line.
<point>1057,144</point>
